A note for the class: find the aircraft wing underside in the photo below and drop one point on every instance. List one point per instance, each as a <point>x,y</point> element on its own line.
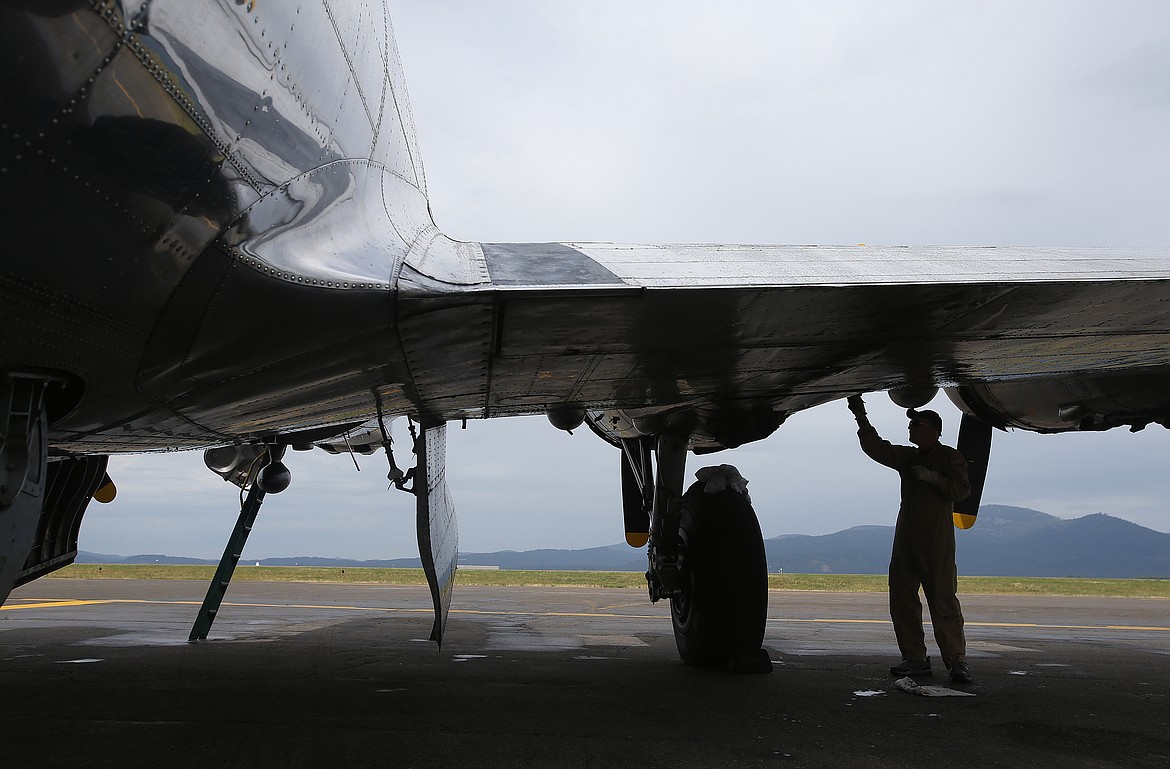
<point>627,326</point>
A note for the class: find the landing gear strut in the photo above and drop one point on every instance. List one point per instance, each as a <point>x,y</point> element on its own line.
<point>260,471</point>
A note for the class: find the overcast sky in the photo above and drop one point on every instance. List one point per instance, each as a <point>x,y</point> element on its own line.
<point>991,123</point>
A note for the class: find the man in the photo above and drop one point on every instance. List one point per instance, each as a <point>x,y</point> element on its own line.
<point>934,477</point>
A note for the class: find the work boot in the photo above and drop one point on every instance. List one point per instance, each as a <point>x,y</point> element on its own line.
<point>961,673</point>
<point>912,668</point>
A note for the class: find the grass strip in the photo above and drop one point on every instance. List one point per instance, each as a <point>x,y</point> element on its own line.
<point>835,583</point>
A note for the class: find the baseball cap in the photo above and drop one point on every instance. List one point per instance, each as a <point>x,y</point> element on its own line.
<point>928,416</point>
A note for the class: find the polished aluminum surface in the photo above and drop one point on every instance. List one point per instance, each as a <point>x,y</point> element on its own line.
<point>693,265</point>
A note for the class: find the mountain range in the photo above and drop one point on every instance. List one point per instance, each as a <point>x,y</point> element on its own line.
<point>1006,541</point>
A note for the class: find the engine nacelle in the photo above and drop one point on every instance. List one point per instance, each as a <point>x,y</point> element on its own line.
<point>709,428</point>
<point>1076,402</point>
<point>913,397</point>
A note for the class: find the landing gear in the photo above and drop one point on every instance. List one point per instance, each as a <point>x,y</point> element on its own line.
<point>721,609</point>
<point>23,470</point>
<point>258,469</point>
<point>706,553</point>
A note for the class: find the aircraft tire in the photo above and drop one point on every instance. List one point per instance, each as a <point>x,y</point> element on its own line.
<point>724,608</point>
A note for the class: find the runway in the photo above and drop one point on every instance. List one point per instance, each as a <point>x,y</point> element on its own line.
<point>98,673</point>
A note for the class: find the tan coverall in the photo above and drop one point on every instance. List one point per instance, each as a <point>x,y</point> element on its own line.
<point>924,545</point>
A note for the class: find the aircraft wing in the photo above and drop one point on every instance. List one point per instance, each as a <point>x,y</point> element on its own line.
<point>727,327</point>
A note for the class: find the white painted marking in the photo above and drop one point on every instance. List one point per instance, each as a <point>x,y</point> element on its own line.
<point>613,640</point>
<point>130,640</point>
<point>991,646</point>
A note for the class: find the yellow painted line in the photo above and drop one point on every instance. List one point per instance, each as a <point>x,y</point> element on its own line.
<point>390,609</point>
<point>601,614</point>
<point>1153,628</point>
<point>830,621</point>
<point>1034,625</point>
<point>52,604</point>
<point>335,607</point>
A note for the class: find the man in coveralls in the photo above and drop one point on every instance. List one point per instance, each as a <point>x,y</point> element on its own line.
<point>934,477</point>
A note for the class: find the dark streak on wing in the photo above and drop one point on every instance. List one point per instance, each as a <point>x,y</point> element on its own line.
<point>543,264</point>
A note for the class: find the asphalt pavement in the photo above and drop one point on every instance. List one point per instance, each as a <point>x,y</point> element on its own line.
<point>99,673</point>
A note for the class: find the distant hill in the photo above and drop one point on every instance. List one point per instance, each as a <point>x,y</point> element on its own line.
<point>84,557</point>
<point>1006,541</point>
<point>1026,543</point>
<point>390,563</point>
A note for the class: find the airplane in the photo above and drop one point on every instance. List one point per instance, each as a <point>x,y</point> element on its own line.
<point>223,241</point>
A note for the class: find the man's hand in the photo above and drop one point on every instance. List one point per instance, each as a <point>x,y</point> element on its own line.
<point>857,406</point>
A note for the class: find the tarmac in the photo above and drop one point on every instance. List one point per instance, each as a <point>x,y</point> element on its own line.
<point>98,673</point>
